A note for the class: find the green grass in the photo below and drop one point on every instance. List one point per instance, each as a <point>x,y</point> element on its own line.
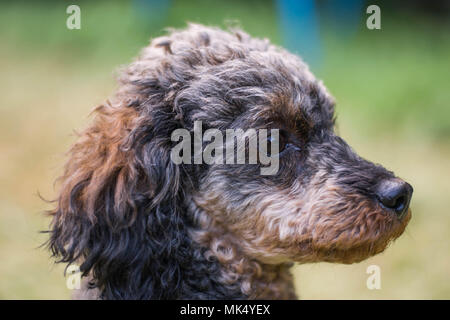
<point>396,79</point>
<point>392,92</point>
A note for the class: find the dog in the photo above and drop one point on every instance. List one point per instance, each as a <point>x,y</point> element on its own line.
<point>142,227</point>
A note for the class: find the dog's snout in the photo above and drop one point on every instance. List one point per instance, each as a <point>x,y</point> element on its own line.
<point>394,194</point>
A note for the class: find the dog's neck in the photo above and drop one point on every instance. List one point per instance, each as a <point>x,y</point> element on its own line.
<point>237,271</point>
<point>218,268</point>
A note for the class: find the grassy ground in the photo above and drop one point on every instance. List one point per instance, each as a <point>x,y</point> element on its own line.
<point>392,93</point>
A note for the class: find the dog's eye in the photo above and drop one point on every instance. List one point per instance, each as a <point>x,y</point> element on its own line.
<point>276,143</point>
<point>283,143</point>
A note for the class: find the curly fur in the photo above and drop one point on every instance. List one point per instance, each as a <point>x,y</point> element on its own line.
<point>142,227</point>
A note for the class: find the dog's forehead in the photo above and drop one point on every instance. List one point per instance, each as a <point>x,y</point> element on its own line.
<point>293,95</point>
<point>217,76</point>
<point>263,87</point>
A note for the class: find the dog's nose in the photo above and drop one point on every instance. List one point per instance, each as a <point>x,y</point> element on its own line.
<point>395,194</point>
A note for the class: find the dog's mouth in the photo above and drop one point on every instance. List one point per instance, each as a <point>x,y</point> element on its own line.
<point>350,246</point>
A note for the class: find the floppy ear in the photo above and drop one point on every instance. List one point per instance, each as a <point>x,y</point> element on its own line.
<point>119,211</point>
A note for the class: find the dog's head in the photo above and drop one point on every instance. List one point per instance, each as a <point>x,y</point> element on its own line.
<point>125,205</point>
<point>325,203</point>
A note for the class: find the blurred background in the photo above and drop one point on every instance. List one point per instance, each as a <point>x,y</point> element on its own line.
<point>391,86</point>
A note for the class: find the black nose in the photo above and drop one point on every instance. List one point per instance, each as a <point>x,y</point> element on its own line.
<point>395,194</point>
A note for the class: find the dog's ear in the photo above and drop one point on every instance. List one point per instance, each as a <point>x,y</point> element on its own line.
<point>119,213</point>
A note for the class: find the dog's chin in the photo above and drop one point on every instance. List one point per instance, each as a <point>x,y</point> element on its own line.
<point>354,250</point>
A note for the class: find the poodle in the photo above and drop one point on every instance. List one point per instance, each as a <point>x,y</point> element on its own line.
<point>141,226</point>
